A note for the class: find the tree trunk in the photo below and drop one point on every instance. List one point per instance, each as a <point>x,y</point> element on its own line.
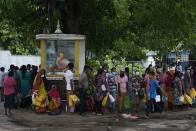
<point>71,16</point>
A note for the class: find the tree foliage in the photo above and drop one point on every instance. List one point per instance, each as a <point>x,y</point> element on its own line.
<point>162,24</point>
<point>20,21</point>
<point>127,27</point>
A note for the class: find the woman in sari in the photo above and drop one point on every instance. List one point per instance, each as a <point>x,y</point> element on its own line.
<point>25,79</point>
<point>169,90</point>
<point>54,98</point>
<point>162,82</point>
<point>39,95</point>
<point>177,89</point>
<point>99,82</point>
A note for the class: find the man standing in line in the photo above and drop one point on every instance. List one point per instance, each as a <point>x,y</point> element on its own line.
<point>83,82</point>
<point>69,78</point>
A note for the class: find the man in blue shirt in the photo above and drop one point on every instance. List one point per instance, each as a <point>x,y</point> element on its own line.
<point>153,93</point>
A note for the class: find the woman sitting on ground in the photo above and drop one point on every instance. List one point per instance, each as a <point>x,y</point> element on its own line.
<point>54,98</point>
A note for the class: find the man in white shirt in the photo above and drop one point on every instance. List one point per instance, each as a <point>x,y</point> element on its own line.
<point>69,78</point>
<point>1,82</point>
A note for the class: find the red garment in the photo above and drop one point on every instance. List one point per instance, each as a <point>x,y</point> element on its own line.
<point>162,78</point>
<point>38,80</point>
<point>89,104</point>
<point>169,80</point>
<point>9,85</point>
<point>54,93</point>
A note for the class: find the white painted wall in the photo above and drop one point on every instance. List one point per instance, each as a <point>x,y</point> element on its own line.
<point>82,56</point>
<point>6,59</point>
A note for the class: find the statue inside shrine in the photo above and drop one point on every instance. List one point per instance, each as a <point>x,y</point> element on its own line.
<point>61,62</point>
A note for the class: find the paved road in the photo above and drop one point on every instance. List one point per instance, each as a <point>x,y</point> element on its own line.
<point>69,122</point>
<point>26,120</point>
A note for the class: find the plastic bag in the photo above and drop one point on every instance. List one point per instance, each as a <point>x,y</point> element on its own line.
<point>70,102</point>
<point>192,93</point>
<point>111,98</point>
<point>158,98</point>
<point>181,99</point>
<point>103,87</point>
<point>73,100</point>
<point>188,99</point>
<point>105,100</point>
<point>127,103</point>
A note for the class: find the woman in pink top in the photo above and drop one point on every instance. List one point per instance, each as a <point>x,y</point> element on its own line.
<point>9,90</point>
<point>122,89</point>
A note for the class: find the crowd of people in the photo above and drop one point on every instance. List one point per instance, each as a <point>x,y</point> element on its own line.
<point>158,89</point>
<point>16,84</point>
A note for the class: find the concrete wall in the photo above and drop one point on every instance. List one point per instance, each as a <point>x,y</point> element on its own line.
<point>6,59</point>
<point>82,56</point>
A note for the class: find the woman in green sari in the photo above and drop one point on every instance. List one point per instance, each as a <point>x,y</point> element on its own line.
<point>25,79</point>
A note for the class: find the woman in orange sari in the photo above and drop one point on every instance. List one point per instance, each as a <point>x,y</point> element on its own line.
<point>39,95</point>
